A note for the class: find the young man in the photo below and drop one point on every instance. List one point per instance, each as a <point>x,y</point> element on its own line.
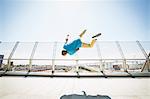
<point>74,46</point>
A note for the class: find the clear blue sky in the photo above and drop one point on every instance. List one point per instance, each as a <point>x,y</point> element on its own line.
<point>52,20</point>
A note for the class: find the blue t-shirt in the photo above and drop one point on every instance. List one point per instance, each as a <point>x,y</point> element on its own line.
<point>71,47</point>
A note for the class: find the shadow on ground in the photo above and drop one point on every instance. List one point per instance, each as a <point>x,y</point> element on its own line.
<point>76,96</point>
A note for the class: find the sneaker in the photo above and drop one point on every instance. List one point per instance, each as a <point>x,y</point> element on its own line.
<point>96,35</point>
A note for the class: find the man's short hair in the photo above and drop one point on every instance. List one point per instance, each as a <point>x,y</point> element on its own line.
<point>64,52</point>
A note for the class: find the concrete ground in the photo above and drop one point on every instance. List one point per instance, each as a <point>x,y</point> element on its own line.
<point>54,88</point>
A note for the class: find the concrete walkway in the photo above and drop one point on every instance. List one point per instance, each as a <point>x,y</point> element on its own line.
<point>54,88</point>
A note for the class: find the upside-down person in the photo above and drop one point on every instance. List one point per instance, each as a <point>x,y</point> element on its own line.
<point>75,45</point>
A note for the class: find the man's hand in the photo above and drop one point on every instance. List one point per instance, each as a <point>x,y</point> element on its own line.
<point>77,49</point>
<point>67,38</point>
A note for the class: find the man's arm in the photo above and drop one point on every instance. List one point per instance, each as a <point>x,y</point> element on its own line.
<point>67,39</point>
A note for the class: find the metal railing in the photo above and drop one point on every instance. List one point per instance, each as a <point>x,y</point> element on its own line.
<point>94,61</point>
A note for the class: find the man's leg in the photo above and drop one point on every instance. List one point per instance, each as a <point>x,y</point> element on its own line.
<point>85,45</point>
<point>93,42</point>
<point>82,33</point>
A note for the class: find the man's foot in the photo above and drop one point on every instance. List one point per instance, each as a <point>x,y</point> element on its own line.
<point>82,33</point>
<point>96,35</point>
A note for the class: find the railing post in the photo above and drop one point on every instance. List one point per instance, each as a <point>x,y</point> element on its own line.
<point>53,57</point>
<point>77,63</point>
<point>77,66</point>
<point>147,62</point>
<point>122,55</point>
<point>101,69</point>
<point>32,54</point>
<point>142,49</point>
<point>10,56</point>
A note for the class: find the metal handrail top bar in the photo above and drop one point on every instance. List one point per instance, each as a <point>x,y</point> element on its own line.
<point>82,59</point>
